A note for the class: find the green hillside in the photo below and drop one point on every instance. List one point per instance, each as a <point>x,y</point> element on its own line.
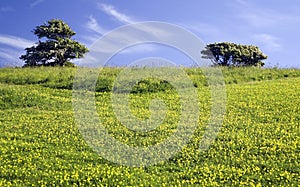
<point>258,145</point>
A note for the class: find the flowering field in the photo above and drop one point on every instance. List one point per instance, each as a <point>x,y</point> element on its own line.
<point>258,145</point>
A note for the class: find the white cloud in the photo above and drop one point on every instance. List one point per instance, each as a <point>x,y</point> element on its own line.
<point>11,49</point>
<point>259,16</point>
<point>89,39</point>
<point>262,18</point>
<point>6,9</point>
<point>15,42</point>
<point>10,57</point>
<point>123,37</point>
<point>35,3</point>
<point>94,26</point>
<point>139,49</point>
<point>136,35</point>
<point>110,10</point>
<point>125,19</point>
<point>270,42</point>
<point>203,29</point>
<point>241,2</point>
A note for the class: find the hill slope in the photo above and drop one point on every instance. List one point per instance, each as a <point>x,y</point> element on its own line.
<point>259,143</point>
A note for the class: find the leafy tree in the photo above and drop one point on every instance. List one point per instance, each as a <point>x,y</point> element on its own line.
<point>231,54</point>
<point>56,49</point>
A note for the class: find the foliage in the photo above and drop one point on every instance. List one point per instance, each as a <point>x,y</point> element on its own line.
<point>231,54</point>
<point>57,49</point>
<point>258,144</point>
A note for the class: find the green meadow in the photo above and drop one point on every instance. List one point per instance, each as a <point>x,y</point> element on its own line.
<point>258,144</point>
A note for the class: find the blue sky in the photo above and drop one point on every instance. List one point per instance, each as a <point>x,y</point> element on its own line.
<point>274,25</point>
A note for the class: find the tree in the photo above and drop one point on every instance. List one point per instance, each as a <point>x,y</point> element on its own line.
<point>231,54</point>
<point>56,49</point>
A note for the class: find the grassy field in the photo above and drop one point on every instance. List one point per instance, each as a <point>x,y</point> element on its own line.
<point>258,145</point>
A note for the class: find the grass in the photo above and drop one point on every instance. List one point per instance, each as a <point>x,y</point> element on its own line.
<point>56,77</point>
<point>258,145</point>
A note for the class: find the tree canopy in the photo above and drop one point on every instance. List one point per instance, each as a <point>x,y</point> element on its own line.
<point>55,46</point>
<point>231,54</point>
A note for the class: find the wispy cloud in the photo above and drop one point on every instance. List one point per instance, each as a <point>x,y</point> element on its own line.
<point>11,47</point>
<point>137,34</point>
<point>111,10</point>
<point>6,9</point>
<point>35,3</point>
<point>10,57</point>
<point>241,2</point>
<point>94,26</point>
<point>270,42</point>
<point>264,18</point>
<point>8,54</point>
<point>89,38</point>
<point>260,16</point>
<point>95,30</point>
<point>111,45</point>
<point>202,29</point>
<point>139,49</point>
<point>15,42</point>
<point>126,19</point>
